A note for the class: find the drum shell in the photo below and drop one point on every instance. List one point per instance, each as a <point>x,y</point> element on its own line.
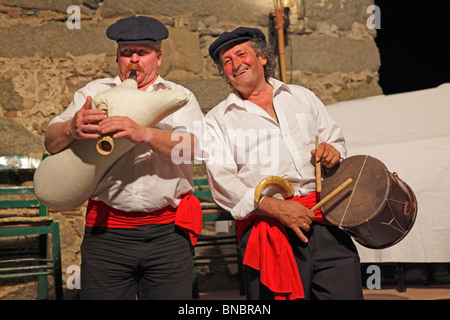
<point>377,209</point>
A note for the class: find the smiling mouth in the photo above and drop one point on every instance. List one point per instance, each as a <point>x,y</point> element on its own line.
<point>237,74</point>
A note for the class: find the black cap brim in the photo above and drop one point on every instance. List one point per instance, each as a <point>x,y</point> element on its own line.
<point>135,41</point>
<point>238,35</point>
<point>216,52</point>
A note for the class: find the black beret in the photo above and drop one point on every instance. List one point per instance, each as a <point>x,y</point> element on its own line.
<point>237,35</point>
<point>136,30</point>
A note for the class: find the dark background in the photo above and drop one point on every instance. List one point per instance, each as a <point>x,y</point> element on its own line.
<point>414,42</point>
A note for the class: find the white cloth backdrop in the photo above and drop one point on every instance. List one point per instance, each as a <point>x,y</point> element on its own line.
<point>410,134</point>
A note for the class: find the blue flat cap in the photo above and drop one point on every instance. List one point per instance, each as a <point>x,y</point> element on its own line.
<point>135,30</point>
<point>240,34</point>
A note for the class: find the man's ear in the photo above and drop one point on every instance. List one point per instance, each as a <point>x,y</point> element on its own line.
<point>263,59</point>
<point>159,58</point>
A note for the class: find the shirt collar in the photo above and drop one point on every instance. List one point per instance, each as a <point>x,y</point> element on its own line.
<point>233,100</point>
<point>279,86</point>
<point>159,84</point>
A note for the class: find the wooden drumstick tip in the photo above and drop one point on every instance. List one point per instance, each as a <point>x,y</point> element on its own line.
<point>318,169</point>
<point>332,194</point>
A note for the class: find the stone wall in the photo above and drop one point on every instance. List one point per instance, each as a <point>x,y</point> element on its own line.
<point>329,50</point>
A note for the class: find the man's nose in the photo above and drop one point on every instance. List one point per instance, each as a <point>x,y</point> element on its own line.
<point>235,63</point>
<point>135,57</point>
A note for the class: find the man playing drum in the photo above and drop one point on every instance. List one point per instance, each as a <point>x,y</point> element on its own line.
<point>268,128</point>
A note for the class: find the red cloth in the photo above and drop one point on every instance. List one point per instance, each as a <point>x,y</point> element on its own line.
<point>269,251</point>
<point>188,216</point>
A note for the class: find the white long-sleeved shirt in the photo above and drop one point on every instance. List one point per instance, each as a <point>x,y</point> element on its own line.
<point>141,180</point>
<point>245,144</point>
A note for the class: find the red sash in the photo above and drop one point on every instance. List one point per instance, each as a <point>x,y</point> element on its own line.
<point>269,251</point>
<point>188,216</point>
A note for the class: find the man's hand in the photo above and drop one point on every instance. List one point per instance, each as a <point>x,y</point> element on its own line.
<point>292,214</point>
<point>160,141</point>
<point>84,124</point>
<point>124,127</point>
<point>327,155</point>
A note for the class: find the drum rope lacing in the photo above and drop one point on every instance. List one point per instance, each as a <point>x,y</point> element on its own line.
<point>410,196</point>
<point>399,227</point>
<point>351,195</point>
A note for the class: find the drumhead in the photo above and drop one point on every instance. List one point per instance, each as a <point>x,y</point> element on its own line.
<point>363,199</point>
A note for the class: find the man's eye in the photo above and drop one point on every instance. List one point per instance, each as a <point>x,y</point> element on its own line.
<point>127,53</point>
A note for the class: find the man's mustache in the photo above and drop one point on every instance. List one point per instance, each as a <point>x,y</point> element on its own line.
<point>134,66</point>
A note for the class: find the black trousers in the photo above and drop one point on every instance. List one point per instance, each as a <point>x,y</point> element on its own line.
<point>152,262</point>
<point>329,266</point>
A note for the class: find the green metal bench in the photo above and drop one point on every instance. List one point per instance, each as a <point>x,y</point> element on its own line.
<point>212,212</point>
<point>16,224</point>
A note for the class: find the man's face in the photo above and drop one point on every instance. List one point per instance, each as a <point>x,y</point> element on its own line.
<point>243,69</point>
<point>141,57</point>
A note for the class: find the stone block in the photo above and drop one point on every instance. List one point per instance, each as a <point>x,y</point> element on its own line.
<point>235,12</point>
<point>17,139</point>
<point>57,5</point>
<point>181,51</point>
<point>209,92</point>
<point>10,100</point>
<point>54,39</point>
<point>337,12</point>
<point>324,54</point>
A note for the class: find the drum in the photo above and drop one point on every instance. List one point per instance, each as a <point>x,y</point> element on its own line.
<point>378,209</point>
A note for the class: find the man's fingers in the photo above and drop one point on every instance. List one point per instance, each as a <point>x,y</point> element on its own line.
<point>93,118</point>
<point>305,226</point>
<point>87,104</point>
<point>334,160</point>
<point>331,159</point>
<point>300,235</point>
<point>326,154</point>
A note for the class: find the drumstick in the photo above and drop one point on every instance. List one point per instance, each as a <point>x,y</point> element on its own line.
<point>318,169</point>
<point>332,194</point>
